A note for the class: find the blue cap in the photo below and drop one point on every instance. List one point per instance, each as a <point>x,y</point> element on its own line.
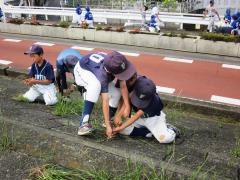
<point>34,49</point>
<point>235,16</point>
<point>70,61</point>
<point>119,66</point>
<point>228,11</point>
<point>87,9</point>
<point>143,92</point>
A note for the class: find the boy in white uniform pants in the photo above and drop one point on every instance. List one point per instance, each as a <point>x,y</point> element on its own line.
<point>92,72</point>
<point>41,79</point>
<point>212,13</point>
<point>149,119</point>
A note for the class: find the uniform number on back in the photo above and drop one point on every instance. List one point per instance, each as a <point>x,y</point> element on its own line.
<point>97,58</point>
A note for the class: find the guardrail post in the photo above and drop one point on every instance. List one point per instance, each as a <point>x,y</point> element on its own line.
<point>46,16</point>
<point>181,25</point>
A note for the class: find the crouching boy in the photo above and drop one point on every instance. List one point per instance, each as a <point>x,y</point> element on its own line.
<point>149,119</point>
<point>41,79</point>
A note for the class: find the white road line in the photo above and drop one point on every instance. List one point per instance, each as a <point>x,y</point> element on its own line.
<point>5,62</point>
<point>82,48</point>
<point>230,66</point>
<point>129,54</point>
<point>227,100</point>
<point>161,89</point>
<point>178,60</point>
<point>44,44</point>
<point>12,40</point>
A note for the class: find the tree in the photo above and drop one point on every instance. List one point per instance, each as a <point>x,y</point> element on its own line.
<point>169,4</point>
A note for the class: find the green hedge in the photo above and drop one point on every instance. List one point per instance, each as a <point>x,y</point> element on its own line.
<point>220,37</point>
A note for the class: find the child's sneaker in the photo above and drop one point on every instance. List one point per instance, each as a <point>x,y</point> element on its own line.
<point>85,129</point>
<point>176,130</point>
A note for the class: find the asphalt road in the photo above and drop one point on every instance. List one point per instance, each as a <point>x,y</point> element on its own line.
<point>197,76</point>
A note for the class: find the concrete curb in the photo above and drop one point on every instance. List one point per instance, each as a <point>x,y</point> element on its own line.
<point>200,106</point>
<point>141,40</point>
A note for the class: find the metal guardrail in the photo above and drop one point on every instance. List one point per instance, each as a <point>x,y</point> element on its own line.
<point>105,14</point>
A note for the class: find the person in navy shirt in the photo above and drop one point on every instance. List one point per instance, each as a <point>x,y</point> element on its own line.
<point>77,18</point>
<point>89,18</point>
<point>235,24</point>
<point>65,63</point>
<point>149,119</point>
<point>96,72</point>
<point>154,25</point>
<point>41,77</point>
<point>227,18</point>
<point>1,14</point>
<point>78,9</point>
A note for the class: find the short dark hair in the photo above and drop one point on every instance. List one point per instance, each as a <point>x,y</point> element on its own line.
<point>145,8</point>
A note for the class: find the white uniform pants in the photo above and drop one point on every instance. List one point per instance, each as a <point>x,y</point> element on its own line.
<point>77,19</point>
<point>90,23</point>
<point>211,24</point>
<point>157,126</point>
<point>48,91</point>
<point>93,87</point>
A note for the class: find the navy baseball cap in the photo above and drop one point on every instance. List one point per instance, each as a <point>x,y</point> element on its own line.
<point>143,92</point>
<point>34,49</point>
<point>119,66</point>
<point>70,62</point>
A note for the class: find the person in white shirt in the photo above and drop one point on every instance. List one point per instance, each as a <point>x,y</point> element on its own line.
<point>212,14</point>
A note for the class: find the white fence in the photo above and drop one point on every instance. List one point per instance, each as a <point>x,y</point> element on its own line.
<point>103,15</point>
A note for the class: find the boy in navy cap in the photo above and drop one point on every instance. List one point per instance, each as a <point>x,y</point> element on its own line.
<point>89,18</point>
<point>66,61</point>
<point>93,72</point>
<point>78,14</point>
<point>124,72</point>
<point>41,79</point>
<point>149,119</point>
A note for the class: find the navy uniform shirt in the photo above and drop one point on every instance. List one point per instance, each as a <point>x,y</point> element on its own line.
<point>45,71</point>
<point>153,109</point>
<point>1,13</point>
<point>78,10</point>
<point>94,63</point>
<point>88,16</point>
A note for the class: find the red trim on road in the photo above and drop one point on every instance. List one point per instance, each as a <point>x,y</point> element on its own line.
<point>199,80</point>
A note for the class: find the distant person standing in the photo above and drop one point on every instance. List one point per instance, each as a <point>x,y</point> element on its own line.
<point>212,14</point>
<point>143,10</point>
<point>1,15</point>
<point>89,18</point>
<point>77,16</point>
